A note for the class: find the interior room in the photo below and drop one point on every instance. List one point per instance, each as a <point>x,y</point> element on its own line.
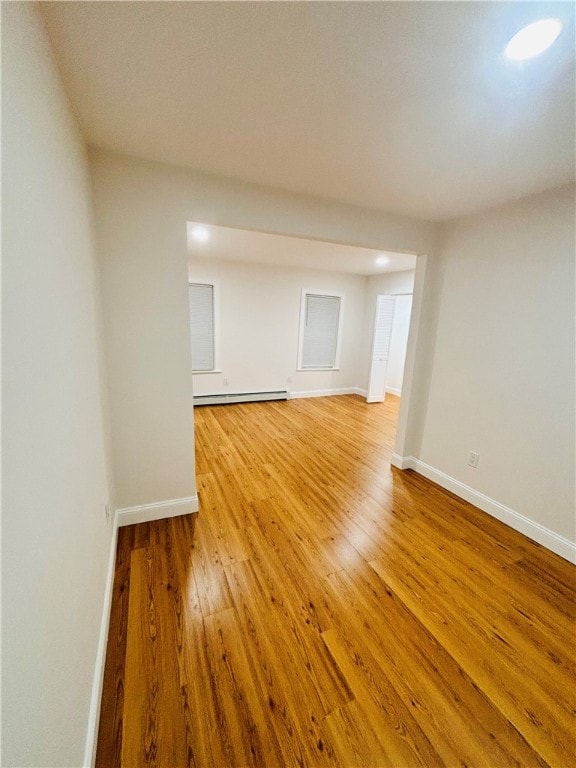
<point>351,572</point>
<point>257,280</point>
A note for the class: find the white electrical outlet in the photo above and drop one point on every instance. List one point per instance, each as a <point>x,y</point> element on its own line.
<point>226,382</point>
<point>289,379</point>
<point>107,511</point>
<point>473,459</point>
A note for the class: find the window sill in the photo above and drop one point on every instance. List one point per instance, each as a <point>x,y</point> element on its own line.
<point>303,370</point>
<point>198,373</point>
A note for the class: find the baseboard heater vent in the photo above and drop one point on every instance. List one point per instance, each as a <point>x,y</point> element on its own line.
<point>241,397</point>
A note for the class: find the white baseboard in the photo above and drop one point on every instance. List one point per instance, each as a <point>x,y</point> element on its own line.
<point>323,392</point>
<point>533,530</point>
<point>402,462</point>
<point>157,511</point>
<point>330,392</point>
<point>98,682</point>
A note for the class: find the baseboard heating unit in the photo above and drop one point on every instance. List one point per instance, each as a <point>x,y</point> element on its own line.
<point>240,397</point>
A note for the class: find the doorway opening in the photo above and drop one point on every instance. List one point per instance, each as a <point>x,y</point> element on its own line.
<point>251,291</point>
<point>389,345</point>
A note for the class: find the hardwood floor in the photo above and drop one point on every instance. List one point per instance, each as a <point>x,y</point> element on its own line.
<point>325,610</point>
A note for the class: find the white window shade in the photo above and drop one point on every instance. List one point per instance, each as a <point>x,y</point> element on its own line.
<point>321,318</point>
<point>202,326</point>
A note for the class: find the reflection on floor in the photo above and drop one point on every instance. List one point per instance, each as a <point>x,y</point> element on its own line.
<point>324,609</point>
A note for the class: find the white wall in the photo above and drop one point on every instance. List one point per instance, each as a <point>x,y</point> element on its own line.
<point>259,323</point>
<point>391,282</point>
<point>500,306</point>
<point>141,214</point>
<point>144,275</point>
<point>55,539</point>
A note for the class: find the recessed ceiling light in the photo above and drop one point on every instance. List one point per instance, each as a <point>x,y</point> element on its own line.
<point>533,39</point>
<point>381,260</point>
<point>200,234</point>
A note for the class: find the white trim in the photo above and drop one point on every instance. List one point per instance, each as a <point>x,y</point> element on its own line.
<point>159,510</point>
<point>98,681</point>
<point>331,294</point>
<point>360,391</point>
<point>323,392</point>
<point>201,373</point>
<point>393,391</point>
<point>533,530</point>
<point>303,370</point>
<point>217,348</point>
<point>222,398</point>
<point>402,462</point>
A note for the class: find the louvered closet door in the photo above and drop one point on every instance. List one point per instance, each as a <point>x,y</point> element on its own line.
<point>380,348</point>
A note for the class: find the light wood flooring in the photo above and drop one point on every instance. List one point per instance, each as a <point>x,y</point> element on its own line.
<point>326,610</point>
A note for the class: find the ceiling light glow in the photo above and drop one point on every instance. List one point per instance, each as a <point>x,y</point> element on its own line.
<point>381,260</point>
<point>533,40</point>
<point>200,234</point>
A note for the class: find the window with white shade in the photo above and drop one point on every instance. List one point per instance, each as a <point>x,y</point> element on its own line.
<point>203,326</point>
<point>320,330</point>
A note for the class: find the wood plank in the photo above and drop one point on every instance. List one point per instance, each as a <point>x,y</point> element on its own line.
<point>516,689</point>
<point>391,641</point>
<point>295,705</point>
<point>325,609</point>
<point>109,747</point>
<point>402,740</point>
<point>242,714</point>
<point>154,730</point>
